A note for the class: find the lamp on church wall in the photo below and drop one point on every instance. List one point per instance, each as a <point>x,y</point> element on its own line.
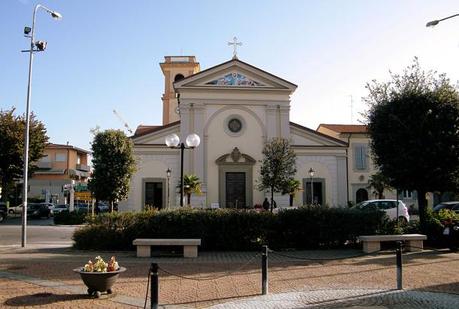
<point>168,174</point>
<point>191,141</point>
<point>311,174</point>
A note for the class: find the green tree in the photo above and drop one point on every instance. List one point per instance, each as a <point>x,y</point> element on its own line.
<point>413,122</point>
<point>12,128</point>
<point>277,167</point>
<point>191,184</point>
<point>379,183</point>
<point>113,166</point>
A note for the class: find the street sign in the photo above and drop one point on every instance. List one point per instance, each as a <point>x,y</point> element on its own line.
<point>79,187</point>
<point>83,196</point>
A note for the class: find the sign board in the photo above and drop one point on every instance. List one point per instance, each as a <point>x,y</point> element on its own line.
<point>214,205</point>
<point>79,187</point>
<point>83,196</point>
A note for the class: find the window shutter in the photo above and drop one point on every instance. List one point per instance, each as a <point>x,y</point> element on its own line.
<point>364,157</point>
<point>360,157</point>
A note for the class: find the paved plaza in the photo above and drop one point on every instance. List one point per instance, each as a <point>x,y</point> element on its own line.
<point>42,276</point>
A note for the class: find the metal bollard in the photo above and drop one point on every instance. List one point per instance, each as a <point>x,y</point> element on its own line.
<point>154,287</point>
<point>399,266</point>
<point>264,271</point>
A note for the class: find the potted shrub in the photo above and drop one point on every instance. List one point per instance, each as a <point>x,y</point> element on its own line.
<point>100,276</point>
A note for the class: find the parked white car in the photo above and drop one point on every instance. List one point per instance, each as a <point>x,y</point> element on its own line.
<point>15,210</point>
<point>389,206</point>
<point>60,208</point>
<point>50,206</point>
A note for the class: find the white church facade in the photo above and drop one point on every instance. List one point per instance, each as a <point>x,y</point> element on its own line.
<point>235,108</point>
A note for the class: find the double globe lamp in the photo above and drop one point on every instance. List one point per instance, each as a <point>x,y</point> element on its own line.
<point>191,141</point>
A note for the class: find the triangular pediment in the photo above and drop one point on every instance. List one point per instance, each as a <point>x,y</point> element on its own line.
<point>235,74</point>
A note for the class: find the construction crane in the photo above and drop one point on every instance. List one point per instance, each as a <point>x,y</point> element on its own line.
<point>122,120</point>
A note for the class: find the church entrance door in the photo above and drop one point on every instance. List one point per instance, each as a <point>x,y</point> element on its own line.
<point>235,190</point>
<point>154,194</point>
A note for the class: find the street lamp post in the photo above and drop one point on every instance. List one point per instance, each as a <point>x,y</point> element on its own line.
<point>173,141</point>
<point>40,46</point>
<point>168,174</point>
<point>437,21</point>
<point>311,174</point>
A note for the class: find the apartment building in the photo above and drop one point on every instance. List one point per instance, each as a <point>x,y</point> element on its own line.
<point>59,166</point>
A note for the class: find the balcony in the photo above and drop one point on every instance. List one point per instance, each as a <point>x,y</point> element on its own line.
<point>82,167</point>
<point>44,165</point>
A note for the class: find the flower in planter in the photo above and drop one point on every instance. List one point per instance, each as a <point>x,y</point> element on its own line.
<point>101,266</point>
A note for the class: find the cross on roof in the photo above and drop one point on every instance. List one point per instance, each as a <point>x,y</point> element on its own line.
<point>235,44</point>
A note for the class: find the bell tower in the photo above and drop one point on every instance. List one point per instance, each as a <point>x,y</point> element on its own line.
<point>175,68</point>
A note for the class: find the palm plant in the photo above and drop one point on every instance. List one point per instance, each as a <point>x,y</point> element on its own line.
<point>292,186</point>
<point>191,184</point>
<point>379,183</point>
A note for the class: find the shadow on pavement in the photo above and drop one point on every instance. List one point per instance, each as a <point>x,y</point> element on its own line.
<point>452,288</point>
<point>41,299</point>
<point>219,299</point>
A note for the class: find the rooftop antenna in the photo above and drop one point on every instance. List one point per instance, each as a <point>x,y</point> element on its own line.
<point>122,120</point>
<point>352,112</point>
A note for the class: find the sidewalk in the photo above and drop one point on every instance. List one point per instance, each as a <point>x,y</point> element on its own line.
<point>43,277</point>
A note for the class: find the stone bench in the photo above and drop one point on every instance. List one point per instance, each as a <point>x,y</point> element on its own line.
<point>372,243</point>
<point>190,246</point>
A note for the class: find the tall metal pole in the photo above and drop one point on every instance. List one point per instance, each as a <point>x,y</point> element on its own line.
<point>56,15</point>
<point>168,192</point>
<point>26,135</point>
<point>312,192</point>
<point>182,148</point>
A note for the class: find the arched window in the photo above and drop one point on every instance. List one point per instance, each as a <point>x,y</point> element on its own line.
<point>178,77</point>
<point>361,195</point>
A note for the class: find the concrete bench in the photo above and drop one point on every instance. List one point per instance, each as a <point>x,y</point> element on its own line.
<point>190,246</point>
<point>372,243</point>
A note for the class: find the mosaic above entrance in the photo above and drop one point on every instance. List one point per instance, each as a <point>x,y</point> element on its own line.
<point>235,79</point>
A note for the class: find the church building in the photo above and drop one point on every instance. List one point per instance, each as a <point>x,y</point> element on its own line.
<point>234,108</point>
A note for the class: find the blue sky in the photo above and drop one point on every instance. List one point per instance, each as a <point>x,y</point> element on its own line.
<point>105,55</point>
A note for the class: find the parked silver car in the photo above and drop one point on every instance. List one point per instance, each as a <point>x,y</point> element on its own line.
<point>389,206</point>
<point>453,205</point>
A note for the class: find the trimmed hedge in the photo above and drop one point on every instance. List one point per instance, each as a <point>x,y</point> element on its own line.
<point>69,218</point>
<point>227,229</point>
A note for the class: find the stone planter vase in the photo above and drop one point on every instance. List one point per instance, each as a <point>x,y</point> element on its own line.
<point>98,282</point>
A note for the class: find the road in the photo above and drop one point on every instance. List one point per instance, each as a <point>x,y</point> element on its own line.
<point>40,232</point>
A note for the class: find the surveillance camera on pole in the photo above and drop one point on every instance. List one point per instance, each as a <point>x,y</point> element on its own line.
<point>41,45</point>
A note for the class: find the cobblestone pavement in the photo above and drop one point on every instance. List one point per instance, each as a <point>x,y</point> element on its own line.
<point>352,299</point>
<point>43,277</point>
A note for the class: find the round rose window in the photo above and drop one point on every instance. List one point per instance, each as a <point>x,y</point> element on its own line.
<point>234,125</point>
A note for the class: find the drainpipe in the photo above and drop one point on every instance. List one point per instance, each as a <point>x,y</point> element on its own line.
<point>347,166</point>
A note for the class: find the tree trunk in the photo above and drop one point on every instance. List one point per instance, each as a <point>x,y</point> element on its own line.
<point>422,204</point>
<point>111,206</point>
<point>291,200</point>
<point>188,198</point>
<point>5,189</point>
<point>272,198</point>
<point>380,195</point>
